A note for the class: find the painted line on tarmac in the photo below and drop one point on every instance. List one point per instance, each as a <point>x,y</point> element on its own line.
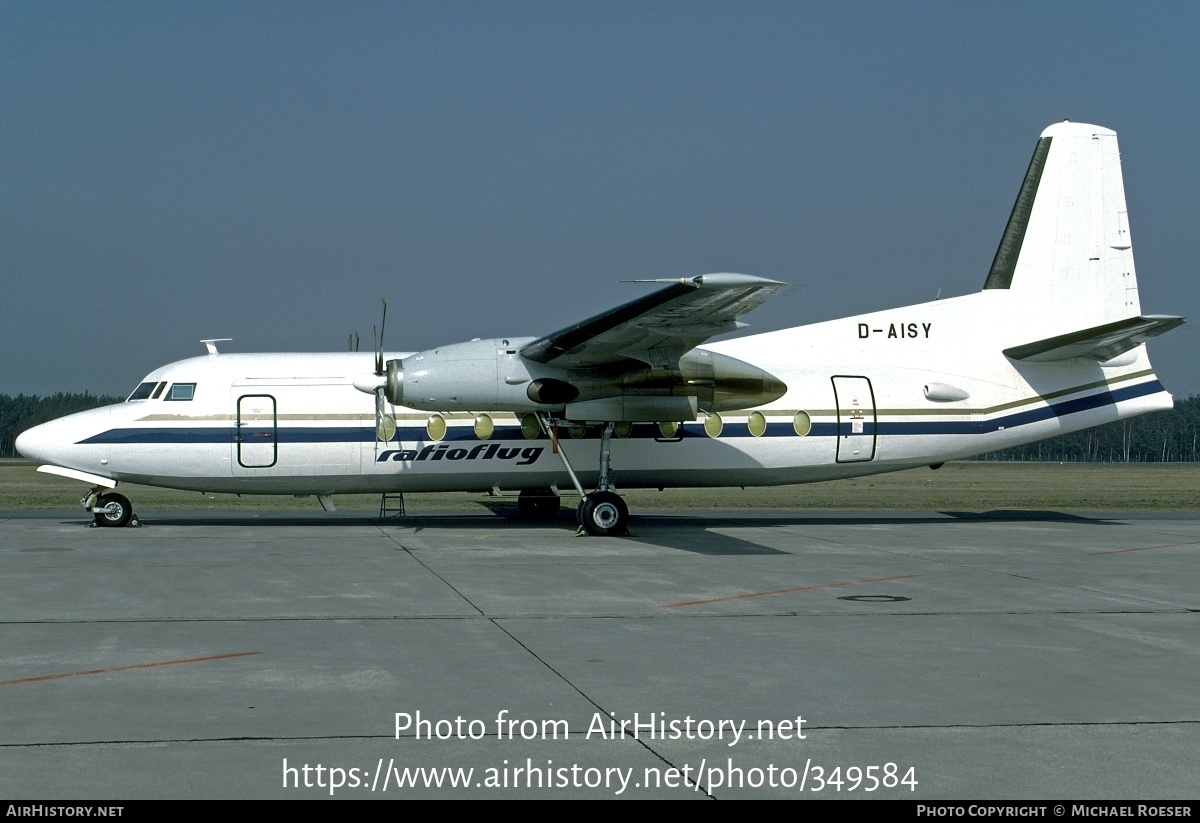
<point>126,668</point>
<point>1147,548</point>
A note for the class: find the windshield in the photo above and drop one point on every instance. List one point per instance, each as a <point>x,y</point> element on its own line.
<point>142,392</point>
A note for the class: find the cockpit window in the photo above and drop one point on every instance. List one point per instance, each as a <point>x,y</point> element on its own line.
<point>158,391</point>
<point>142,392</point>
<point>181,391</point>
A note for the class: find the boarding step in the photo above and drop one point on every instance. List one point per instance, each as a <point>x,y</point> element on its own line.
<point>391,505</point>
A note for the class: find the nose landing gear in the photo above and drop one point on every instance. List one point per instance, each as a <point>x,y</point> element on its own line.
<point>111,509</point>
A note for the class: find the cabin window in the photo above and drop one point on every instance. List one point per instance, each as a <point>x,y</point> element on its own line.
<point>802,423</point>
<point>713,424</point>
<point>435,427</point>
<point>757,423</point>
<point>484,426</point>
<point>142,392</point>
<point>181,391</point>
<point>530,429</point>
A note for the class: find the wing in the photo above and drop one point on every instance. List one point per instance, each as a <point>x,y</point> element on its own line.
<point>659,328</point>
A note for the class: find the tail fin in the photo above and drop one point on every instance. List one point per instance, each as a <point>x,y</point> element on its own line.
<point>1066,250</point>
<point>1066,254</point>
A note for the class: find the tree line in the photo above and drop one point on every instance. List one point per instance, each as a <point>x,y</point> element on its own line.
<point>1159,437</point>
<point>27,410</point>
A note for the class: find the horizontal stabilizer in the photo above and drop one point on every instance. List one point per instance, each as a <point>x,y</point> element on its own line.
<point>1097,343</point>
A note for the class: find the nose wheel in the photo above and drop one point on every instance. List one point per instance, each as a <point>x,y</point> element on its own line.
<point>112,510</point>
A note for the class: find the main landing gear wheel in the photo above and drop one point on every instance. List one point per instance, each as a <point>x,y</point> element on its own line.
<point>603,514</point>
<point>538,504</point>
<point>112,510</point>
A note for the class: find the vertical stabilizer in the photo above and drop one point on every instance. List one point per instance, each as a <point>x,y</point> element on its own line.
<point>1066,251</point>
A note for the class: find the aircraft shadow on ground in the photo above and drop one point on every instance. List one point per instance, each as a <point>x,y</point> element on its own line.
<point>672,530</point>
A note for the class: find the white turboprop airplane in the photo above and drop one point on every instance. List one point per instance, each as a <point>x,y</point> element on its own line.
<point>1052,344</point>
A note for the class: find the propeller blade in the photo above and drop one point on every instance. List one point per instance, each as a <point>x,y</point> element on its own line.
<point>378,419</point>
<point>385,424</point>
<point>379,349</point>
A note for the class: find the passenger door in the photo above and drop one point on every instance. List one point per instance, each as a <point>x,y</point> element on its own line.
<point>257,432</point>
<point>856,418</point>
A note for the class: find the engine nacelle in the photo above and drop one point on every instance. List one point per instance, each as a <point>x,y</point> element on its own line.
<point>479,375</point>
<point>491,375</point>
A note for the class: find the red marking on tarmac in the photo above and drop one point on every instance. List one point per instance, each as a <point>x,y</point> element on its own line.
<point>126,668</point>
<point>1147,548</point>
<point>781,591</point>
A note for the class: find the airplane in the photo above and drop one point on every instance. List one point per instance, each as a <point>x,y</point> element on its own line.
<point>638,396</point>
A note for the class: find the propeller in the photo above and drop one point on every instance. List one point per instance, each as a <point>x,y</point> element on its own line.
<point>376,383</point>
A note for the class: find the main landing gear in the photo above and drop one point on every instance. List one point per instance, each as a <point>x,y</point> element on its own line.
<point>603,512</point>
<point>109,509</point>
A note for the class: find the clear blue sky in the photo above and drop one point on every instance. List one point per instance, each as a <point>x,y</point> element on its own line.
<point>266,171</point>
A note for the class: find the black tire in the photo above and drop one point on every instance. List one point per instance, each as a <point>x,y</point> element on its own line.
<point>538,504</point>
<point>117,516</point>
<point>603,514</point>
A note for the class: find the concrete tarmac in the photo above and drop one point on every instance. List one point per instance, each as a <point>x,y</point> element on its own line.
<point>852,655</point>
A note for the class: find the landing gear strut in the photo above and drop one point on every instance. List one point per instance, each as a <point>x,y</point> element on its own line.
<point>603,512</point>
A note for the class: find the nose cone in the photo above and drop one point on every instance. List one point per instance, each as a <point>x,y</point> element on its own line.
<point>37,442</point>
<point>56,442</point>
